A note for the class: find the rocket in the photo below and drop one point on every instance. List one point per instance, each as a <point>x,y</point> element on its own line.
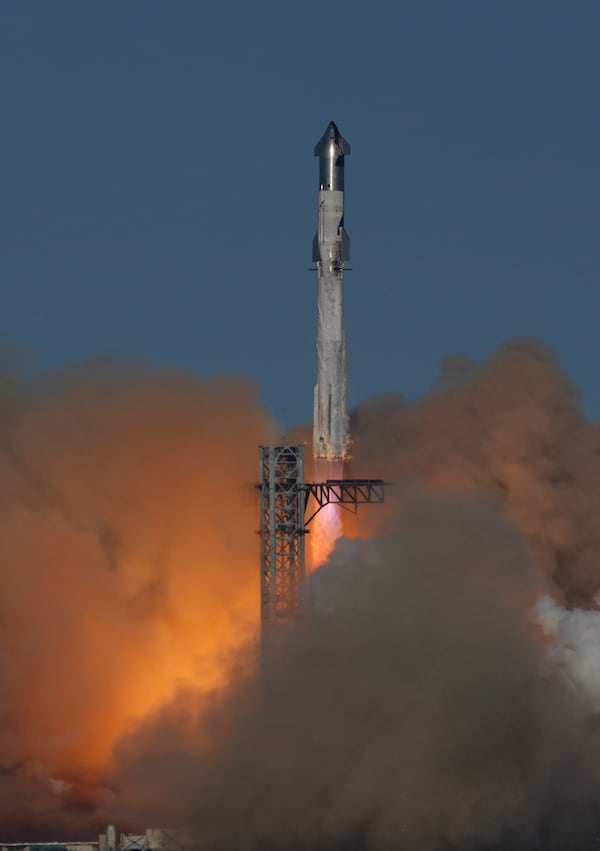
<point>331,248</point>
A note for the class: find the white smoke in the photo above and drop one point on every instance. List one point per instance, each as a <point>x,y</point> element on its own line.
<point>574,650</point>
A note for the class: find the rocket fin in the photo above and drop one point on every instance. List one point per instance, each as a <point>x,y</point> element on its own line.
<point>316,255</point>
<point>345,245</point>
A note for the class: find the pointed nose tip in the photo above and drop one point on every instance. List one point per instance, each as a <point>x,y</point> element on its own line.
<point>332,137</point>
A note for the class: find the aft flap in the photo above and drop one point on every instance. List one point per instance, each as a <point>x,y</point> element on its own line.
<point>345,245</point>
<point>316,255</point>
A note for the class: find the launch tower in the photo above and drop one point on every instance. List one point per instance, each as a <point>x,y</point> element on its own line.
<point>287,506</point>
<point>281,531</point>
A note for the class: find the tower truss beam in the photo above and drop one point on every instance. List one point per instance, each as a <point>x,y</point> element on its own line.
<point>349,493</point>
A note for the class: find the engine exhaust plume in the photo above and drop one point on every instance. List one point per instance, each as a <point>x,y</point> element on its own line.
<point>326,526</point>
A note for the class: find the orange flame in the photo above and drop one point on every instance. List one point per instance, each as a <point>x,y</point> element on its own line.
<point>327,525</point>
<point>327,528</point>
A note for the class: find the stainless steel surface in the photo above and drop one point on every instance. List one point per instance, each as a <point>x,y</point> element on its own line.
<point>331,149</point>
<point>331,247</point>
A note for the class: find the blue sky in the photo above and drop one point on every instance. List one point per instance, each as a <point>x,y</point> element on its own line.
<point>158,188</point>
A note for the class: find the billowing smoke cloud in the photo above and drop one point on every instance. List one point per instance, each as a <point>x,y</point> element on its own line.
<point>437,694</point>
<point>412,707</point>
<point>511,429</point>
<point>127,565</point>
<point>440,691</point>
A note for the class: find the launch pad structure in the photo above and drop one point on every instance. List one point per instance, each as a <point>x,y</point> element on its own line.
<point>287,506</point>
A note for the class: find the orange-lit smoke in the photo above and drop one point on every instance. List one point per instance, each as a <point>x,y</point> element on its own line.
<point>127,567</point>
<point>413,708</point>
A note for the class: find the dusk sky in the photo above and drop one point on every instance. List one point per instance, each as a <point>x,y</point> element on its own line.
<point>158,186</point>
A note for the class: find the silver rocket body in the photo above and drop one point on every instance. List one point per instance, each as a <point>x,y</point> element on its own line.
<point>331,248</point>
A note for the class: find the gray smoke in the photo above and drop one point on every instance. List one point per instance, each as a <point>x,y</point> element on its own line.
<point>436,693</point>
<point>413,706</point>
<point>513,429</point>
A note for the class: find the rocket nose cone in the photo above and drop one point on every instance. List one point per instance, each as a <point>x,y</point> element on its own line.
<point>332,142</point>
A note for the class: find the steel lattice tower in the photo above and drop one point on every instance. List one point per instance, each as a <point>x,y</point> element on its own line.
<point>287,505</point>
<point>281,531</point>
